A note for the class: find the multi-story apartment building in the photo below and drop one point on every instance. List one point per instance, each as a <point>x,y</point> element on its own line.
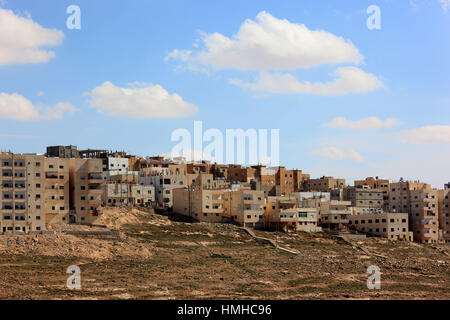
<point>56,190</point>
<point>242,174</point>
<point>220,171</point>
<point>164,186</point>
<point>285,179</point>
<point>116,165</point>
<point>85,190</point>
<point>444,218</point>
<point>299,179</point>
<point>22,193</point>
<point>62,152</point>
<point>198,167</point>
<point>323,184</point>
<point>283,213</point>
<point>220,205</point>
<point>364,199</point>
<point>376,183</point>
<point>332,214</point>
<point>205,205</point>
<point>115,194</point>
<point>420,201</point>
<point>393,226</point>
<point>245,207</point>
<point>177,169</point>
<point>266,180</point>
<point>290,180</point>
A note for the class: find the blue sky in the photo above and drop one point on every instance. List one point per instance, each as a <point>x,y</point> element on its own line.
<point>403,76</point>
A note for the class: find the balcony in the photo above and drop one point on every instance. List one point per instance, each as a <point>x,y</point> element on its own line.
<point>94,202</point>
<point>7,208</point>
<point>7,164</point>
<point>7,196</point>
<point>95,192</point>
<point>95,179</point>
<point>7,174</point>
<point>51,175</point>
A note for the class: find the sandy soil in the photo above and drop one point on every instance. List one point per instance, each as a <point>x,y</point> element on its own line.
<point>160,258</point>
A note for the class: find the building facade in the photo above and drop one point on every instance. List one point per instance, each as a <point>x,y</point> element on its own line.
<point>85,190</point>
<point>22,193</point>
<point>420,201</point>
<point>393,226</point>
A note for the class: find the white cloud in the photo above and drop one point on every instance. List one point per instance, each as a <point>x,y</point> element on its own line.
<point>17,107</point>
<point>22,39</point>
<point>149,101</point>
<point>371,123</point>
<point>347,80</point>
<point>334,153</point>
<point>270,44</point>
<point>428,135</point>
<point>40,93</point>
<point>445,4</point>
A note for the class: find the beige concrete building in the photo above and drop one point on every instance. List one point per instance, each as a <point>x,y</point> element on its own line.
<point>164,186</point>
<point>376,183</point>
<point>365,199</point>
<point>56,191</point>
<point>332,214</point>
<point>420,201</point>
<point>323,184</point>
<point>116,194</point>
<point>22,193</point>
<point>444,215</point>
<point>85,190</point>
<point>393,226</point>
<point>283,213</point>
<point>201,204</point>
<point>244,207</point>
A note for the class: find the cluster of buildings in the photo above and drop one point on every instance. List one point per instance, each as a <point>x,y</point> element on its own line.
<point>67,185</point>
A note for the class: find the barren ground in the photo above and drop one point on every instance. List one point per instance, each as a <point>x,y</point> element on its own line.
<point>160,258</point>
